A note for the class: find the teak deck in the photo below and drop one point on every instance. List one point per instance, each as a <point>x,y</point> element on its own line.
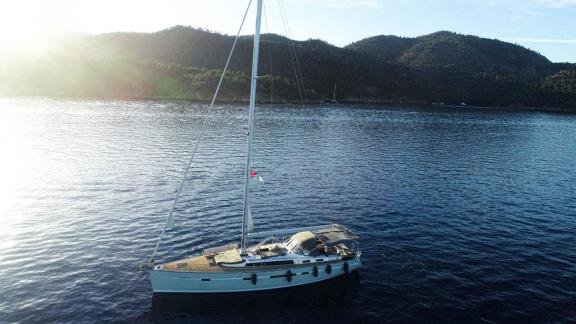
<point>202,264</point>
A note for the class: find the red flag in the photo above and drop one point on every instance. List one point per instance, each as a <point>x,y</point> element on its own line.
<point>252,173</point>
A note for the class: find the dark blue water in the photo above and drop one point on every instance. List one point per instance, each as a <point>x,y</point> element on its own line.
<point>464,215</point>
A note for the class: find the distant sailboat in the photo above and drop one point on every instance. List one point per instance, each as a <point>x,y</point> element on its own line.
<point>334,94</point>
<point>333,100</point>
<point>284,258</point>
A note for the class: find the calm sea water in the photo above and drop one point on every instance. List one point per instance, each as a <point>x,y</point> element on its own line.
<point>464,215</point>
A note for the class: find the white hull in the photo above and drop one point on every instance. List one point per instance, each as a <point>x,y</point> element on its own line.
<point>242,281</point>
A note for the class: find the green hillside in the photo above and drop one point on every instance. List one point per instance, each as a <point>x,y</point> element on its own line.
<point>454,52</point>
<point>320,63</point>
<point>184,63</point>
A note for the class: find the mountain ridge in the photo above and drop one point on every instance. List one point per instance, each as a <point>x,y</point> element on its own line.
<point>460,52</point>
<point>183,62</point>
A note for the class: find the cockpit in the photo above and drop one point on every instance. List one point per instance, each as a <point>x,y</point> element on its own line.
<point>322,243</point>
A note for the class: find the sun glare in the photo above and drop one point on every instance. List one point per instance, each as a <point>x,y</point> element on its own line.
<point>33,24</point>
<point>14,159</point>
<point>22,29</point>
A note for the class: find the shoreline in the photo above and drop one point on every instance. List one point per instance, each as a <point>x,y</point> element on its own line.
<point>355,101</point>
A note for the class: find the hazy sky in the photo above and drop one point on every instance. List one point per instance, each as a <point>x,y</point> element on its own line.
<point>547,26</point>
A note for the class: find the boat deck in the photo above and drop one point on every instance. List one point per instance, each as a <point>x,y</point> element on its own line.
<point>212,259</point>
<point>203,264</point>
<point>195,264</point>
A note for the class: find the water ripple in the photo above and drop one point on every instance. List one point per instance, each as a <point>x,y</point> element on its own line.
<point>464,216</point>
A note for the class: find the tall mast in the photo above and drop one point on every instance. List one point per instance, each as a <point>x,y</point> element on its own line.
<point>334,95</point>
<point>253,84</point>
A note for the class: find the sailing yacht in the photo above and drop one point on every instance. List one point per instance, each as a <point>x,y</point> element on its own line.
<point>278,259</point>
<point>334,94</point>
<point>333,100</point>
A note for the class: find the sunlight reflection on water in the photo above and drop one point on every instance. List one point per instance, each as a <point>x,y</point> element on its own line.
<point>16,155</point>
<point>462,214</point>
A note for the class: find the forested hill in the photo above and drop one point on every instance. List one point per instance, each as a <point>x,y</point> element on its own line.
<point>183,62</point>
<point>450,51</point>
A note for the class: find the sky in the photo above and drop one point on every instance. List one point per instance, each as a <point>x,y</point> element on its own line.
<point>546,26</point>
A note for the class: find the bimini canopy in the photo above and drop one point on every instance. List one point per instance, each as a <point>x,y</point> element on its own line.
<point>336,235</point>
<point>303,243</point>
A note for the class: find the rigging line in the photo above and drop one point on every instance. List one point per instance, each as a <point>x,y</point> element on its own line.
<point>269,55</point>
<point>290,49</point>
<point>294,49</point>
<point>200,133</point>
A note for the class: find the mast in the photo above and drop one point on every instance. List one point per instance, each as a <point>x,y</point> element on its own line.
<point>334,96</point>
<point>248,169</point>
